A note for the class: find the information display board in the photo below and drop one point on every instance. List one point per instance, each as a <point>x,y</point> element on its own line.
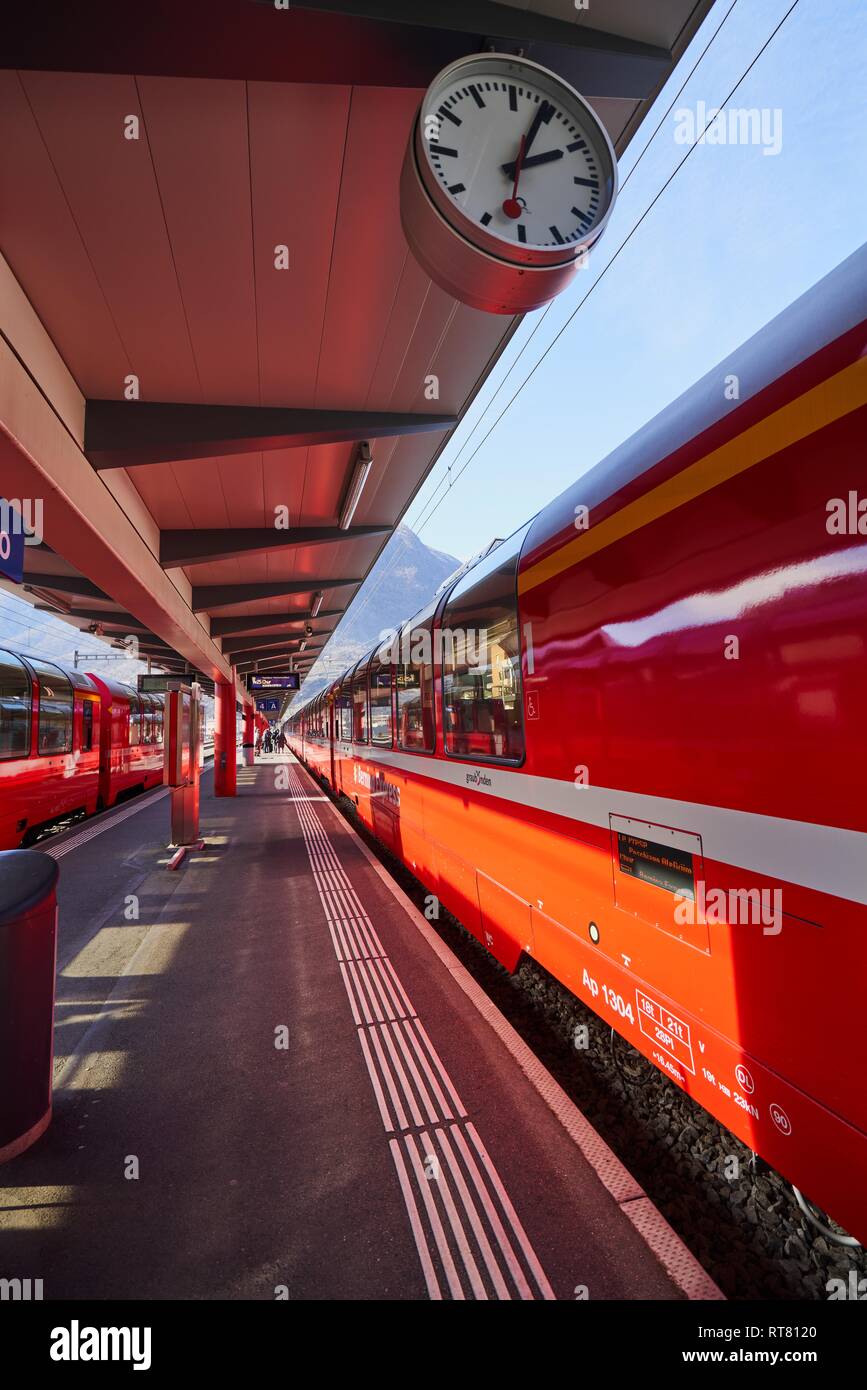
<point>158,682</point>
<point>288,680</point>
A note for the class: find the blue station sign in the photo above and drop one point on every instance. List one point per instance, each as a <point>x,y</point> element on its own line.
<point>11,543</point>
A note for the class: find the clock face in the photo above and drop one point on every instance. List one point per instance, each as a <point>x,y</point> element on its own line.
<point>516,159</point>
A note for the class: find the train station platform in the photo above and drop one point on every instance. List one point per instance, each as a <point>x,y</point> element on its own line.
<point>274,1080</point>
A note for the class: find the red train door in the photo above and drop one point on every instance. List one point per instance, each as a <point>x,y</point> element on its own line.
<point>329,725</point>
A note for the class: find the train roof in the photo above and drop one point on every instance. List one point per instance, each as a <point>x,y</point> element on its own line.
<point>113,687</point>
<point>824,313</point>
<point>77,679</point>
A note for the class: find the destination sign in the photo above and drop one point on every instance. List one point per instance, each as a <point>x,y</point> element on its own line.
<point>290,680</point>
<point>662,865</point>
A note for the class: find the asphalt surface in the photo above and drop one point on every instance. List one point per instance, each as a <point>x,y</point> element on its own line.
<point>221,1130</point>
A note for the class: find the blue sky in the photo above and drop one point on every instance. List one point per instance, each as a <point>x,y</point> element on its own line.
<point>734,238</point>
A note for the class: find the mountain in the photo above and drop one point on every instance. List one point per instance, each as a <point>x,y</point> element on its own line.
<point>404,579</point>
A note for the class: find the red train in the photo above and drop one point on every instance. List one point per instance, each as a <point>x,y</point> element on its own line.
<point>650,775</point>
<point>70,742</point>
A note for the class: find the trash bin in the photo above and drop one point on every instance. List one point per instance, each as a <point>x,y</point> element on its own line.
<point>28,943</point>
<point>248,754</point>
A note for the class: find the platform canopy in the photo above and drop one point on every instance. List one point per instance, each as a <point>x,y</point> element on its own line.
<point>210,316</point>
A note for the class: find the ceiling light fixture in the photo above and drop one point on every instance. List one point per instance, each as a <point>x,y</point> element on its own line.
<point>363,464</point>
<point>317,603</point>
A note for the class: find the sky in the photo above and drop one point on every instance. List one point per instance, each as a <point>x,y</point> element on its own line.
<point>25,629</point>
<point>735,236</point>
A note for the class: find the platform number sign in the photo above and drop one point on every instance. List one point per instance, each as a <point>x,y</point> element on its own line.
<point>11,543</point>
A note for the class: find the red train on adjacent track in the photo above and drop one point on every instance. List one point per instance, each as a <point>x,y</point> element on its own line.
<point>630,742</point>
<point>70,743</point>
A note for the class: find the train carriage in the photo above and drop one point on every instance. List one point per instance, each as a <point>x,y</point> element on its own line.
<point>70,743</point>
<point>50,722</point>
<point>649,774</point>
<point>132,740</point>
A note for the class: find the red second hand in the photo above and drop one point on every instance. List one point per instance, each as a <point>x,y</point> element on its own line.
<point>511,206</point>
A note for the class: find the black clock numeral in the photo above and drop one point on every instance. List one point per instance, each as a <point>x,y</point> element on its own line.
<point>442,149</point>
<point>556,235</point>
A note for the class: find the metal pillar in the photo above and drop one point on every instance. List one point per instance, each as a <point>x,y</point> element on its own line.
<point>224,740</point>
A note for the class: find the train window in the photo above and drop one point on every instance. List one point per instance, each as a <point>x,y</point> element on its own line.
<point>147,722</point>
<point>359,703</point>
<point>86,725</point>
<point>134,719</point>
<point>343,713</point>
<point>481,660</point>
<point>380,702</point>
<point>158,718</point>
<point>15,707</point>
<point>414,681</point>
<point>55,709</point>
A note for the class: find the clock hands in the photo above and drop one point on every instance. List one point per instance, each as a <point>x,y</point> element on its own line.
<point>511,206</point>
<point>547,158</point>
<point>544,113</point>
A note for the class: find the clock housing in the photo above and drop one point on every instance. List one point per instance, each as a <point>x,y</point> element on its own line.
<point>509,177</point>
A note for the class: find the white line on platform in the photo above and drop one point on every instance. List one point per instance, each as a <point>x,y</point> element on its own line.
<point>107,821</point>
<point>406,1070</point>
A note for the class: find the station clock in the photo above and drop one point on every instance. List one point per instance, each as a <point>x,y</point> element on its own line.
<point>509,177</point>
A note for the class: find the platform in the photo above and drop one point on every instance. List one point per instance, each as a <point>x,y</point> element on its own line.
<point>277,1081</point>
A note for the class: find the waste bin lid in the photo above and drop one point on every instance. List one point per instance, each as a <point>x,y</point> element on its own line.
<point>26,877</point>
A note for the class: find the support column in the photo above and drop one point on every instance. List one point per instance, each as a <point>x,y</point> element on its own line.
<point>225,772</point>
<point>249,739</point>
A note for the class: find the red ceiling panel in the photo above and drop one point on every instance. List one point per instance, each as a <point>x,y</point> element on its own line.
<point>198,134</point>
<point>284,475</point>
<point>44,248</point>
<point>297,138</point>
<point>108,182</point>
<point>369,247</point>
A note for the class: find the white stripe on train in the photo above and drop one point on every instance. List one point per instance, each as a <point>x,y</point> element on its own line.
<point>825,858</point>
